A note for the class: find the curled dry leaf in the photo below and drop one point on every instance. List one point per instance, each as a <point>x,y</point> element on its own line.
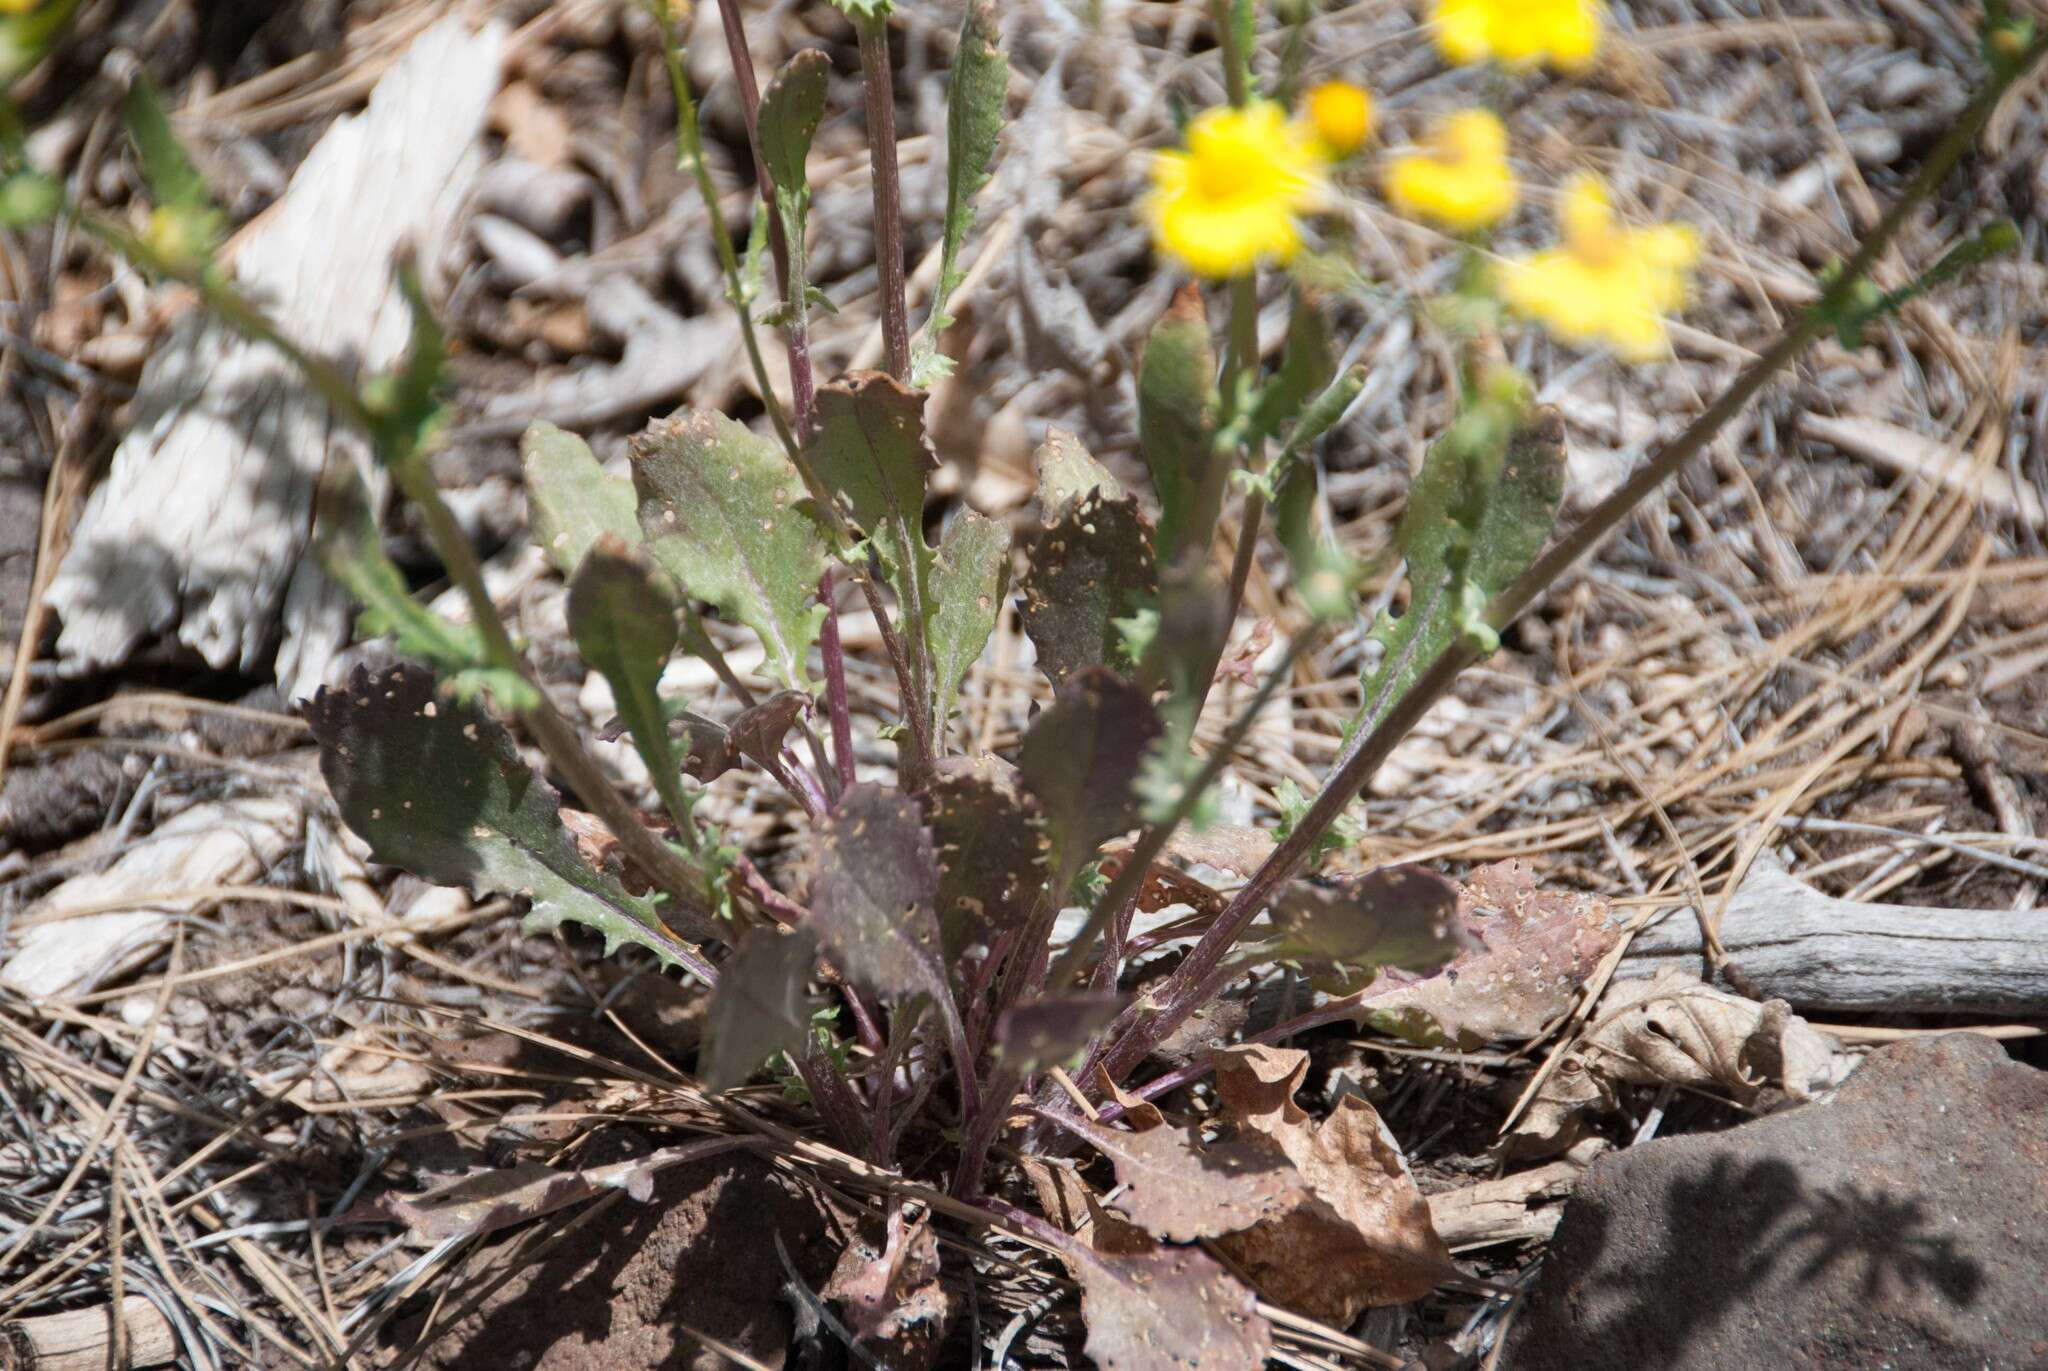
<point>890,1295</point>
<point>1176,1188</point>
<point>1676,1030</point>
<point>1539,946</point>
<point>1361,1235</point>
<point>1168,1310</point>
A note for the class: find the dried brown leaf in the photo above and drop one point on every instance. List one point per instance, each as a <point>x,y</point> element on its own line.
<point>1167,1311</point>
<point>1675,1030</point>
<point>1539,948</point>
<point>1177,1188</point>
<point>1362,1237</point>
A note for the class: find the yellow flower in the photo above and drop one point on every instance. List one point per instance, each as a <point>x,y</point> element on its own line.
<point>1608,284</point>
<point>1520,33</point>
<point>1232,199</point>
<point>1341,115</point>
<point>1462,181</point>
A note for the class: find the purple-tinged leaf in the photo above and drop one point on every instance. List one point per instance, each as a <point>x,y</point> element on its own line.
<point>991,846</point>
<point>1081,758</point>
<point>1404,916</point>
<point>1169,1310</point>
<point>762,1005</point>
<point>1050,1031</point>
<point>871,903</point>
<point>1093,566</point>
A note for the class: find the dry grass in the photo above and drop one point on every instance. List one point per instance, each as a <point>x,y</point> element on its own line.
<point>1796,651</point>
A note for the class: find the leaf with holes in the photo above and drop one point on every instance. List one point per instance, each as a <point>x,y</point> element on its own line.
<point>1533,951</point>
<point>871,903</point>
<point>1177,408</point>
<point>1068,473</point>
<point>761,1005</point>
<point>720,508</point>
<point>1081,759</point>
<point>969,580</point>
<point>1168,1310</point>
<point>573,501</point>
<point>437,788</point>
<point>1175,1187</point>
<point>991,846</point>
<point>1093,567</point>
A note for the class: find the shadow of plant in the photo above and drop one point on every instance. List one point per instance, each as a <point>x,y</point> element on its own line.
<point>1737,1234</point>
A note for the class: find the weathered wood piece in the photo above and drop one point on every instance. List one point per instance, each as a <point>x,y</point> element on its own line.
<point>83,1339</point>
<point>204,520</point>
<point>1820,952</point>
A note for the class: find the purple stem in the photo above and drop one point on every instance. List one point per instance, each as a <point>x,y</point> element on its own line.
<point>1344,1008</point>
<point>841,780</point>
<point>881,105</point>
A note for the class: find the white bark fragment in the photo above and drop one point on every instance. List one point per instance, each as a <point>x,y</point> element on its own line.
<point>204,520</point>
<point>95,927</point>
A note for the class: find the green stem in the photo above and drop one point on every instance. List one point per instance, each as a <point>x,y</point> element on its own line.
<point>1199,976</point>
<point>690,157</point>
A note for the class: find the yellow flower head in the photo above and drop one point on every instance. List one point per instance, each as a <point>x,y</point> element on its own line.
<point>1608,284</point>
<point>1232,199</point>
<point>1462,180</point>
<point>1520,33</point>
<point>1341,115</point>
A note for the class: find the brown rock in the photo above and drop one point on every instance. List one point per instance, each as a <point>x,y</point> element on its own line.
<point>1897,1225</point>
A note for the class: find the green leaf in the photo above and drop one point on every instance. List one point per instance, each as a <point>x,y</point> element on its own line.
<point>719,508</point>
<point>27,198</point>
<point>788,118</point>
<point>1067,473</point>
<point>1479,512</point>
<point>573,501</point>
<point>1404,916</point>
<point>174,183</point>
<point>351,551</point>
<point>762,1006</point>
<point>1093,567</point>
<point>1307,366</point>
<point>865,9</point>
<point>1177,409</point>
<point>969,580</point>
<point>869,449</point>
<point>872,901</point>
<point>974,122</point>
<point>1081,758</point>
<point>991,847</point>
<point>1325,576</point>
<point>624,623</point>
<point>437,787</point>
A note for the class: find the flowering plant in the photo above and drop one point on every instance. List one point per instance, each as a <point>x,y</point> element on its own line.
<point>922,978</point>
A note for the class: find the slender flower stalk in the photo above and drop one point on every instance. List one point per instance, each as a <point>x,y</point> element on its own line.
<point>878,87</point>
<point>1205,970</point>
